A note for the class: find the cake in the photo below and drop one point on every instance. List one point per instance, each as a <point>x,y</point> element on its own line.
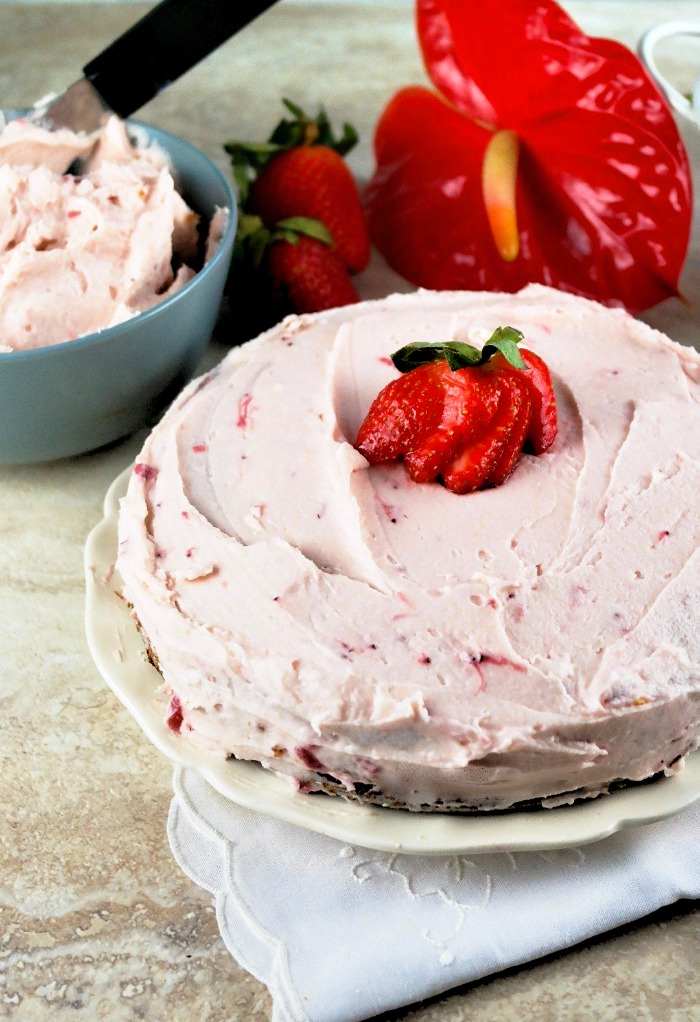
<point>368,636</point>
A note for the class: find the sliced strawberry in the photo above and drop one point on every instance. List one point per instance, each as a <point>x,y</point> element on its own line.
<point>543,425</point>
<point>461,414</point>
<point>468,409</point>
<point>494,455</point>
<point>517,434</point>
<point>406,411</point>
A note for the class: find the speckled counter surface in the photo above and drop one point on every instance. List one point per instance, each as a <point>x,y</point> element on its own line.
<point>96,920</point>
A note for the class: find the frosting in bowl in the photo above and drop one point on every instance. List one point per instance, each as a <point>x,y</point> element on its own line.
<point>393,641</point>
<point>85,251</point>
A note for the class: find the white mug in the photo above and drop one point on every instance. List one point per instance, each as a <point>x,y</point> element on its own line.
<point>688,108</point>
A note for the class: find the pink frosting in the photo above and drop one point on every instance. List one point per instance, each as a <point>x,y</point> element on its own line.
<point>80,253</point>
<point>328,618</point>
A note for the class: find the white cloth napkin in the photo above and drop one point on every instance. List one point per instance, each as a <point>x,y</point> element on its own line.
<point>341,933</point>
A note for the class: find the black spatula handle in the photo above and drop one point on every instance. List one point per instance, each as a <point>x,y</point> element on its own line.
<point>168,41</point>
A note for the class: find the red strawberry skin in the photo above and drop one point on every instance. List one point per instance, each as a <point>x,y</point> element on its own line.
<point>490,457</point>
<point>421,415</point>
<point>310,275</point>
<point>467,426</point>
<point>314,181</point>
<point>542,429</point>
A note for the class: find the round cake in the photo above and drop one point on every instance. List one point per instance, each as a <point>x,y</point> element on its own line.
<point>391,641</point>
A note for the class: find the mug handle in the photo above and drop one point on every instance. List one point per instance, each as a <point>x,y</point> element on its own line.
<point>678,101</point>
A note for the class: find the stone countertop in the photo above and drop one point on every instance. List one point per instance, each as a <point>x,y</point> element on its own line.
<point>96,919</point>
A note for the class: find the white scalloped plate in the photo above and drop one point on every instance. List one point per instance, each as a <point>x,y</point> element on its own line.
<point>118,651</point>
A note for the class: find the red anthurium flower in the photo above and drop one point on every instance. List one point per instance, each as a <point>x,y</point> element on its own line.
<point>549,157</point>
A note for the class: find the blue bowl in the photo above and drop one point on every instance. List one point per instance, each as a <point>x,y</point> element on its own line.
<point>69,398</point>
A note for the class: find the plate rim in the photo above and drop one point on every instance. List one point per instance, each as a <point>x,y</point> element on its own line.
<point>119,654</point>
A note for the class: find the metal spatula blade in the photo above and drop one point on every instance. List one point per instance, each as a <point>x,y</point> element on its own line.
<point>80,108</point>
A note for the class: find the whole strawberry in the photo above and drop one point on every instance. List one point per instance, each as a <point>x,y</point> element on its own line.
<point>300,172</point>
<point>309,274</point>
<point>291,267</point>
<point>314,181</point>
<point>460,414</point>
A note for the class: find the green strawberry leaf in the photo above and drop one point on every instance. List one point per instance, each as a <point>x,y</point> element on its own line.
<point>251,151</point>
<point>248,159</point>
<point>253,237</point>
<point>506,340</point>
<point>289,236</point>
<point>258,245</point>
<point>419,353</point>
<point>459,355</point>
<point>248,224</point>
<point>305,130</point>
<point>307,226</point>
<point>289,134</point>
<point>341,145</point>
<point>295,110</point>
<point>348,139</point>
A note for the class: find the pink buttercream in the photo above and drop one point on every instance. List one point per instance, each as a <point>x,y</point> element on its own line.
<point>80,253</point>
<point>523,642</point>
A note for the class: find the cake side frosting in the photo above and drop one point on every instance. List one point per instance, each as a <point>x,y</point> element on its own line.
<point>355,630</point>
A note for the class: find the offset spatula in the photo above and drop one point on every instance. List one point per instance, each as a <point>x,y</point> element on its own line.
<point>173,37</point>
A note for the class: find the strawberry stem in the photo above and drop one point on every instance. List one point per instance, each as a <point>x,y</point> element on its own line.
<point>306,226</point>
<point>305,130</point>
<point>253,238</point>
<point>458,355</point>
<point>498,178</point>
